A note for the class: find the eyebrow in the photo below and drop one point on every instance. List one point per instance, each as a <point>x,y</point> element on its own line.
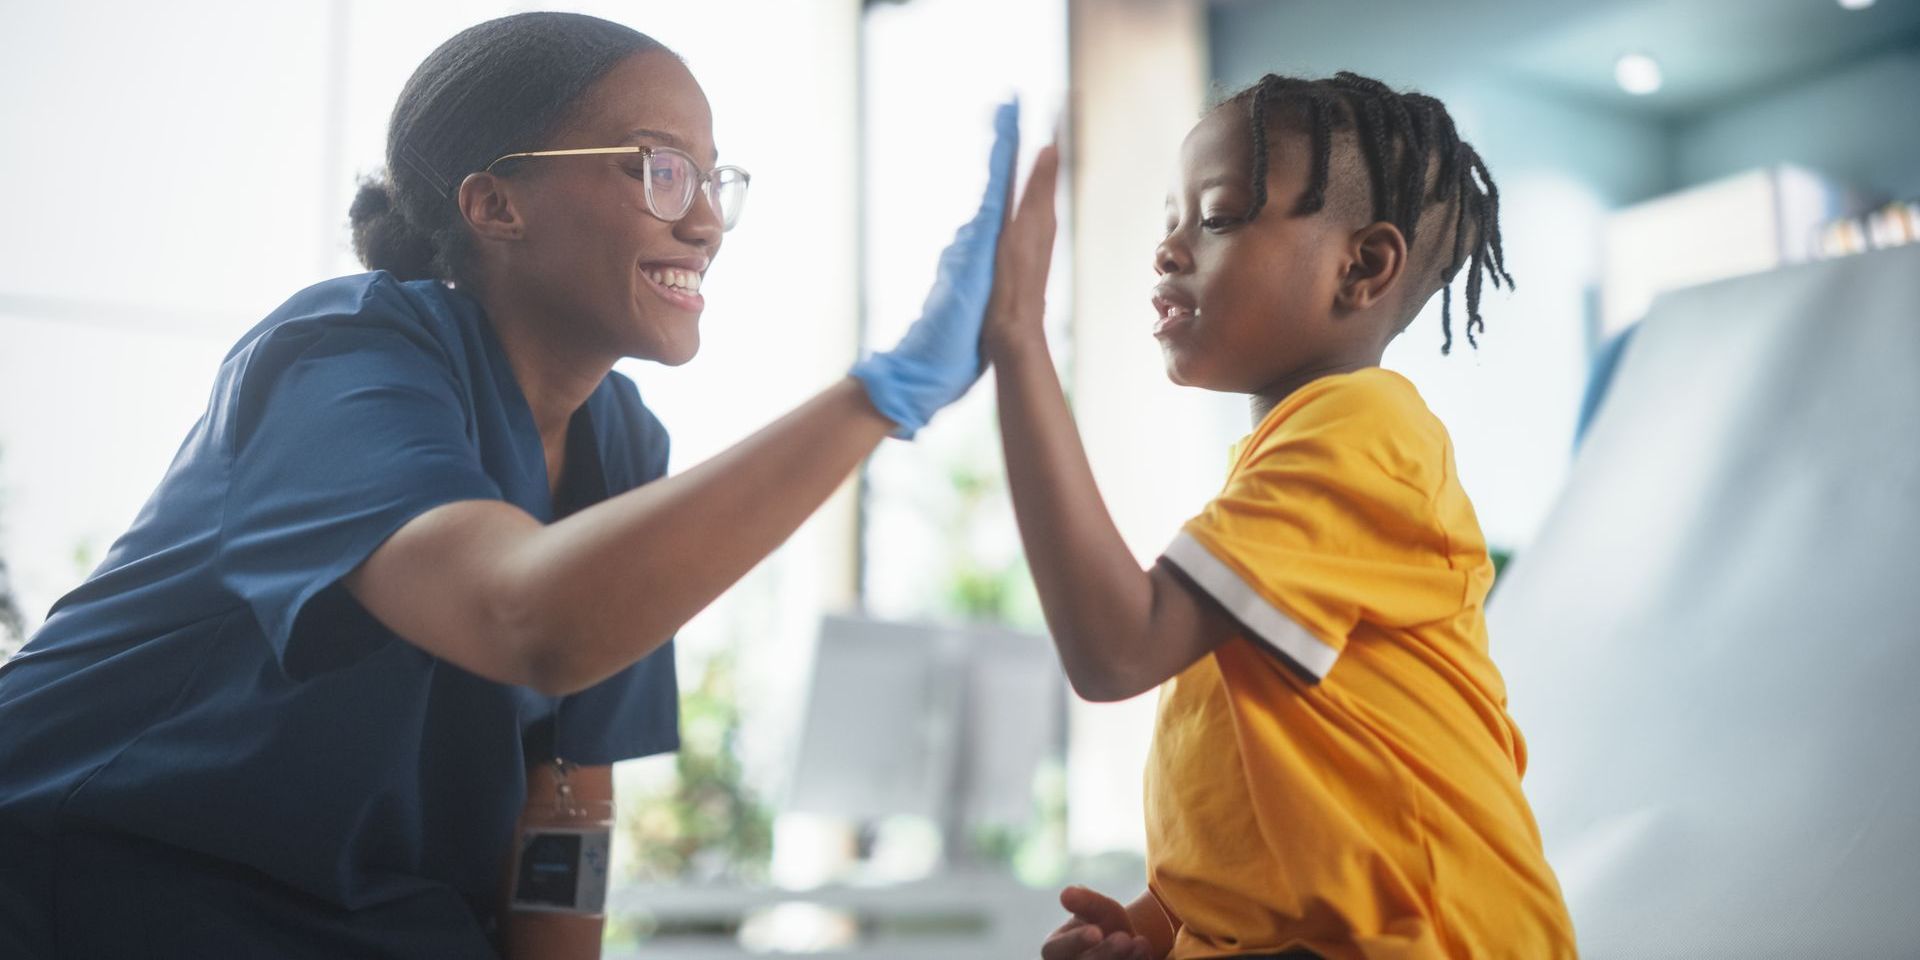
<point>1217,180</point>
<point>648,133</point>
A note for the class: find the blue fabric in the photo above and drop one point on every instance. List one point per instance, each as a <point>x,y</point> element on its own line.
<point>938,359</point>
<point>213,695</point>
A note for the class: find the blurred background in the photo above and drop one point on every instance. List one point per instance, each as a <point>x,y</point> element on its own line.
<point>881,758</point>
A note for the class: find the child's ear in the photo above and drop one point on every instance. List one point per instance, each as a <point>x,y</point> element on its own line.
<point>1376,256</point>
<point>487,205</point>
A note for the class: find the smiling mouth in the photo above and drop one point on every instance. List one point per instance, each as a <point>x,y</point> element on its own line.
<point>676,285</point>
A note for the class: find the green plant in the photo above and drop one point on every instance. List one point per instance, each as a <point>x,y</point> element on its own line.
<point>705,825</point>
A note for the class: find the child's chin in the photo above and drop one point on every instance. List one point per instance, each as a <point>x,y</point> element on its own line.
<point>1181,372</point>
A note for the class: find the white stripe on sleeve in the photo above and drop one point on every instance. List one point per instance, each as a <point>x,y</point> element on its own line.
<point>1269,623</point>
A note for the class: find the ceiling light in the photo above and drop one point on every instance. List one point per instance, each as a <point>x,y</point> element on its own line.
<point>1637,74</point>
<point>1856,4</point>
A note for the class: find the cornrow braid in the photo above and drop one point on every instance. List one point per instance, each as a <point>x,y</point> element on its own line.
<point>1400,136</point>
<point>1405,200</point>
<point>1320,128</point>
<point>1261,92</point>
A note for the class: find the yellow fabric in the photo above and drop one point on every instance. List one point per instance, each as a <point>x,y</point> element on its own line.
<point>1376,813</point>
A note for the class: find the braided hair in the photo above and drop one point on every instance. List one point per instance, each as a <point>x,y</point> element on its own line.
<point>1414,160</point>
<point>495,88</point>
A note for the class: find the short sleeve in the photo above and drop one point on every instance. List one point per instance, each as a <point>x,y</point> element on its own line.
<point>634,713</point>
<point>340,432</point>
<point>1326,522</point>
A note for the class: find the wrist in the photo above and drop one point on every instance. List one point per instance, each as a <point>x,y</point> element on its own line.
<point>1151,919</point>
<point>854,392</point>
<point>1014,342</point>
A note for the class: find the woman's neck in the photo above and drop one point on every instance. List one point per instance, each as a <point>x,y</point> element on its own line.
<point>556,375</point>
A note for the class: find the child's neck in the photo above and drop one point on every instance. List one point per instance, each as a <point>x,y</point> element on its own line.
<point>1262,402</point>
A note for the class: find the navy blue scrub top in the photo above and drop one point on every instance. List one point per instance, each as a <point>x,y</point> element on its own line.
<point>214,696</point>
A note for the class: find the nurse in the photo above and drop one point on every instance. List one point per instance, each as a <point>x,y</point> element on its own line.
<point>417,570</point>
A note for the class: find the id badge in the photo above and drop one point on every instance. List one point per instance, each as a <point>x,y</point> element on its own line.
<point>563,870</point>
<point>561,861</point>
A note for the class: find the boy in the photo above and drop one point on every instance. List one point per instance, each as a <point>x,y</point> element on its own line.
<point>1333,772</point>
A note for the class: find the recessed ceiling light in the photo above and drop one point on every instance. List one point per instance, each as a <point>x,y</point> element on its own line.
<point>1856,4</point>
<point>1637,74</point>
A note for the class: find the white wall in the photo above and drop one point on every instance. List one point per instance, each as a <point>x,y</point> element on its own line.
<point>1560,164</point>
<point>1512,405</point>
<point>1856,123</point>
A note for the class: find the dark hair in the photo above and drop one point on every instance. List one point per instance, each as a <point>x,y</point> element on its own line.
<point>495,88</point>
<point>1415,161</point>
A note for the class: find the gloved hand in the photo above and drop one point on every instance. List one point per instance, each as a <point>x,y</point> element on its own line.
<point>939,357</point>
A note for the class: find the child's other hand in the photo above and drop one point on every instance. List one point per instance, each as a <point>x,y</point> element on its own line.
<point>1024,258</point>
<point>1099,930</point>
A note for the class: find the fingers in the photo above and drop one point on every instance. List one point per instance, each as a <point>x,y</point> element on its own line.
<point>1070,942</point>
<point>1095,908</point>
<point>1026,242</point>
<point>1006,146</point>
<point>1030,230</point>
<point>1117,946</point>
<point>1038,202</point>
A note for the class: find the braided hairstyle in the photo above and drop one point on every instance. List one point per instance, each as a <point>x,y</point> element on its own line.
<point>1418,172</point>
<point>495,88</point>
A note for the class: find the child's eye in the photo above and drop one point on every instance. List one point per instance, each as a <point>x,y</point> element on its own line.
<point>1219,222</point>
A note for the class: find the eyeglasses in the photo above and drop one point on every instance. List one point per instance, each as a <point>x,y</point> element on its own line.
<point>671,177</point>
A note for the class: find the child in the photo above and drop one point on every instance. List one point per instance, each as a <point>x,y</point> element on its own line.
<point>1333,772</point>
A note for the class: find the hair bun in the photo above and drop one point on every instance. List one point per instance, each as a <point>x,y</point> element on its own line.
<point>383,239</point>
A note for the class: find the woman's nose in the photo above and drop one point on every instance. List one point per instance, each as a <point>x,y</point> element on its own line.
<point>701,225</point>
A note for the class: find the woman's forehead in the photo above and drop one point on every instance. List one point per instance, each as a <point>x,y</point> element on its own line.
<point>652,98</point>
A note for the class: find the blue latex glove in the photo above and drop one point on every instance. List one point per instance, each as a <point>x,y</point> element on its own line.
<point>939,357</point>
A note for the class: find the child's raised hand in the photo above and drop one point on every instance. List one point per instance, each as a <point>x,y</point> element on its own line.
<point>1099,930</point>
<point>1025,257</point>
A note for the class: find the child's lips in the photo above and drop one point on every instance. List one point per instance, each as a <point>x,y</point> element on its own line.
<point>1172,309</point>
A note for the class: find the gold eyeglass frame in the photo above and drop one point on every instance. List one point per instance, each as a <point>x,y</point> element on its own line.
<point>703,181</point>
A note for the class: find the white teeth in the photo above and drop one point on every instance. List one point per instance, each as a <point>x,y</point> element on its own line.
<point>684,280</point>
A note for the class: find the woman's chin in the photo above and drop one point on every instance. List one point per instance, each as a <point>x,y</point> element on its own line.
<point>669,345</point>
<point>674,353</point>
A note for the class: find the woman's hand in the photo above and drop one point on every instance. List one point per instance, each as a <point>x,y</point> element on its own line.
<point>1100,930</point>
<point>1019,300</point>
<point>939,357</point>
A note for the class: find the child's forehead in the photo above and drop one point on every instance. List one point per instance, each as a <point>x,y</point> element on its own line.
<point>1219,136</point>
<point>1219,149</point>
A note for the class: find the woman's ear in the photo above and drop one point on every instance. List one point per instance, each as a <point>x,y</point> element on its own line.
<point>1376,257</point>
<point>486,203</point>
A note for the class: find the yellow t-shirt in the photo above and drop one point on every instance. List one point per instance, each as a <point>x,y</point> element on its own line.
<point>1343,776</point>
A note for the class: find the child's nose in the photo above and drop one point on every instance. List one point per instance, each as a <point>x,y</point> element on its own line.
<point>1170,257</point>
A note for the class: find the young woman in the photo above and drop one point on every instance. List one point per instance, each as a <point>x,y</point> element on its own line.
<point>418,566</point>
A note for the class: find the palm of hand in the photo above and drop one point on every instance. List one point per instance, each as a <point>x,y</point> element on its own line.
<point>1025,256</point>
